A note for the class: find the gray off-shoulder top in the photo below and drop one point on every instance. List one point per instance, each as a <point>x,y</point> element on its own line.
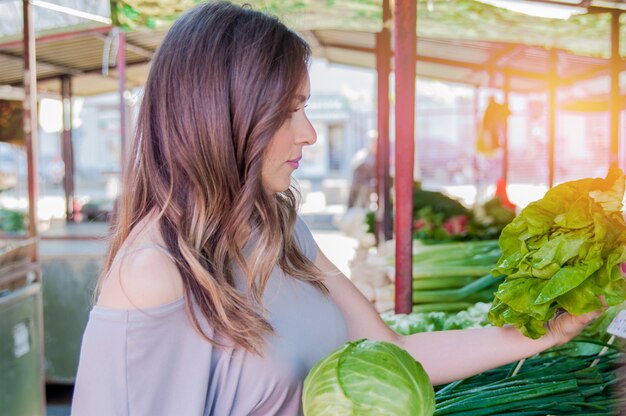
<point>153,362</point>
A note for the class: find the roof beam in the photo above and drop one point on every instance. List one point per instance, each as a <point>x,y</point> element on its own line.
<point>63,69</point>
<point>57,37</point>
<point>498,57</point>
<point>492,63</point>
<point>581,77</point>
<point>590,74</point>
<point>97,70</point>
<point>451,62</point>
<point>482,67</point>
<point>349,47</point>
<point>524,74</point>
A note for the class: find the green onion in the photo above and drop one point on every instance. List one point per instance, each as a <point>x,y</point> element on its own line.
<point>549,383</point>
<point>454,295</point>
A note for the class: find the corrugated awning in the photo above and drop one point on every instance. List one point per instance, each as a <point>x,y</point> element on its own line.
<point>82,55</point>
<point>455,55</point>
<point>469,61</point>
<point>69,46</point>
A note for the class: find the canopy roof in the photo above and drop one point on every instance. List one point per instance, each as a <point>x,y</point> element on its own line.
<point>470,61</point>
<point>458,41</point>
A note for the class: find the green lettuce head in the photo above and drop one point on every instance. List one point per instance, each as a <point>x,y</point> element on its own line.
<point>562,252</point>
<point>368,378</point>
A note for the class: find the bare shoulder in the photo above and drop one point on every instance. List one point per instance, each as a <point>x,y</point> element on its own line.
<point>143,276</point>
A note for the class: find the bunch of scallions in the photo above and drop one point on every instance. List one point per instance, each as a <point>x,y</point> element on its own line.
<point>450,277</point>
<point>552,383</point>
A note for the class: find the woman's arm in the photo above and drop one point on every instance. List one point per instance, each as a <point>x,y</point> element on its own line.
<point>445,355</point>
<point>452,355</point>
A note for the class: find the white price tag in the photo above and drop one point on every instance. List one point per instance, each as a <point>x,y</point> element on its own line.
<point>618,325</point>
<point>21,343</point>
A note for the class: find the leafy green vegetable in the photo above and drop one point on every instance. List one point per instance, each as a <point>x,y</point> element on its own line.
<point>368,378</point>
<point>12,221</point>
<point>494,215</point>
<point>562,251</point>
<point>473,317</point>
<point>438,218</point>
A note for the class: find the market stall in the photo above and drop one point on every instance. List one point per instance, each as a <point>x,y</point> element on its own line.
<point>21,311</point>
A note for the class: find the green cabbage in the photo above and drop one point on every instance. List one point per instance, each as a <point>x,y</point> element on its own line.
<point>562,252</point>
<point>368,378</point>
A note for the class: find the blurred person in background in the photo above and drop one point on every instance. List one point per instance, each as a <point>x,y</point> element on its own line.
<point>363,183</point>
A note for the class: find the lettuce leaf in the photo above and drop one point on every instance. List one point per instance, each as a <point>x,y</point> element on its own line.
<point>562,252</point>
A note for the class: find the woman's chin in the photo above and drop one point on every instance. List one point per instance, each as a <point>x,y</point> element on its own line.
<point>277,187</point>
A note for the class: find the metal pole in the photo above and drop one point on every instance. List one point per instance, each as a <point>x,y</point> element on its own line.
<point>383,181</point>
<point>67,147</point>
<point>505,145</point>
<point>614,104</point>
<point>121,76</point>
<point>552,80</point>
<point>405,41</point>
<point>30,142</point>
<point>476,117</point>
<point>30,119</point>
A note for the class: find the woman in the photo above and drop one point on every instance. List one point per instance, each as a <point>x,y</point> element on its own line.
<point>216,299</point>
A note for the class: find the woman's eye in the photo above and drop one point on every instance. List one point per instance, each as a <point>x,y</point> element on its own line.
<point>300,108</point>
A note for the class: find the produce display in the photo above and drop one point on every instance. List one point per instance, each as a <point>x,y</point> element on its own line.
<point>547,384</point>
<point>12,221</point>
<point>473,317</point>
<point>454,248</point>
<point>454,276</point>
<point>368,378</point>
<point>560,381</point>
<point>562,252</point>
<point>438,218</point>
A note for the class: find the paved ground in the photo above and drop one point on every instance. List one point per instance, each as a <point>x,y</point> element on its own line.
<point>337,247</point>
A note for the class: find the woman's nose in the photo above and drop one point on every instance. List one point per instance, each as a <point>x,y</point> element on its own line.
<point>307,135</point>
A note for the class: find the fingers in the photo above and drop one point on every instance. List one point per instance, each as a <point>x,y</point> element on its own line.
<point>588,317</point>
<point>564,326</point>
<point>603,300</point>
<point>622,269</point>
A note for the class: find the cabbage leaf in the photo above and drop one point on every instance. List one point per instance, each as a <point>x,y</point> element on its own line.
<point>368,378</point>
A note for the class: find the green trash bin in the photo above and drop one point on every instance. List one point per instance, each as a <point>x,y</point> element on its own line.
<point>21,372</point>
<point>70,270</point>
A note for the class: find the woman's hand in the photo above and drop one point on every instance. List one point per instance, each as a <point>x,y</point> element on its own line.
<point>564,326</point>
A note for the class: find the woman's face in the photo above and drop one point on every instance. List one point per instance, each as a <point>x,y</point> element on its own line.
<point>284,151</point>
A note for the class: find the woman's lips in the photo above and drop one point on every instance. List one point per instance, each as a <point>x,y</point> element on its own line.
<point>294,163</point>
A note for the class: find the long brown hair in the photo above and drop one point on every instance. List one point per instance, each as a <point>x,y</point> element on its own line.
<point>221,84</point>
